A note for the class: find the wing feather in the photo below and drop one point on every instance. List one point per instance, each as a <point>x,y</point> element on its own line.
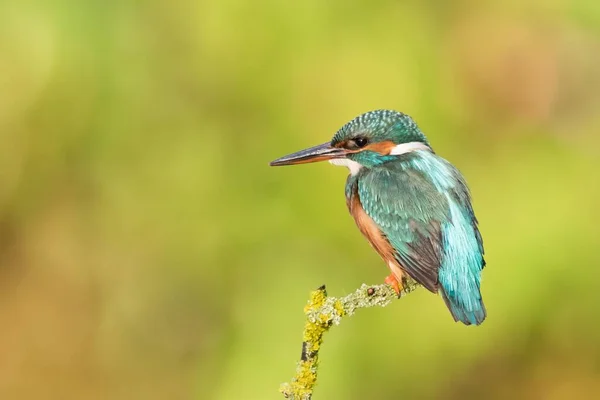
<point>408,209</point>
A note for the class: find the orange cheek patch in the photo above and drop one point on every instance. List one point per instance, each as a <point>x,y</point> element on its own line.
<point>384,148</point>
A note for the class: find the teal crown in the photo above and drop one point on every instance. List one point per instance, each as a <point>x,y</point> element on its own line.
<point>381,125</point>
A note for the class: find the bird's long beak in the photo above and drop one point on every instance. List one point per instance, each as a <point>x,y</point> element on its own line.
<point>321,152</point>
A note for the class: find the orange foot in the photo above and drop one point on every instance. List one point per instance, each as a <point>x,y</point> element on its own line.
<point>393,282</point>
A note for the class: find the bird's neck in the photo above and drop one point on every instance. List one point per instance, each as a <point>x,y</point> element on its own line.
<point>372,159</point>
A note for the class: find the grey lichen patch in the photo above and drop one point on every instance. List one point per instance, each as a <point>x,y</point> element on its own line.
<point>381,296</point>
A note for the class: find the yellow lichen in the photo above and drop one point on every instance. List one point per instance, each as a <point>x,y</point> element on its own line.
<point>313,333</point>
<point>303,383</point>
<point>307,376</point>
<point>317,299</point>
<point>321,314</point>
<point>339,308</point>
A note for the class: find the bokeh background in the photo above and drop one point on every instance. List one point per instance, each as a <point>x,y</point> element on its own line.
<point>147,251</point>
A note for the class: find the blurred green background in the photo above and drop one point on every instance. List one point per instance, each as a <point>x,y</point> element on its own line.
<point>147,251</point>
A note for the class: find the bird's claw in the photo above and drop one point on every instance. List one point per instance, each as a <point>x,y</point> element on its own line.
<point>393,282</point>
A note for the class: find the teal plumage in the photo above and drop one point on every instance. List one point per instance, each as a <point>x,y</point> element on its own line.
<point>411,204</point>
<point>422,205</point>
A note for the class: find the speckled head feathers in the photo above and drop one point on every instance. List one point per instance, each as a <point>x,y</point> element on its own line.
<point>379,126</point>
<point>371,139</point>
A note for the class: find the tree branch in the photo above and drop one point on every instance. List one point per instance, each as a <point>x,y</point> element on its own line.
<point>322,312</point>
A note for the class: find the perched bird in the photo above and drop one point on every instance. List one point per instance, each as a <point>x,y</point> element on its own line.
<point>412,205</point>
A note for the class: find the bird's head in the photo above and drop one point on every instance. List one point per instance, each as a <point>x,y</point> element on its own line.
<point>368,140</point>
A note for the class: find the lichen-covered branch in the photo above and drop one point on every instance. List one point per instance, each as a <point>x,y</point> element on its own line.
<point>322,312</point>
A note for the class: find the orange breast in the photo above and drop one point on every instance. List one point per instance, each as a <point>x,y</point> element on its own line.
<point>371,231</point>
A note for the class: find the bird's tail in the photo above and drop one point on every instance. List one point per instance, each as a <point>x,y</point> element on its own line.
<point>467,312</point>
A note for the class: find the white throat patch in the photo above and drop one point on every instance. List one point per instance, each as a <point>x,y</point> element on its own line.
<point>404,148</point>
<point>353,166</point>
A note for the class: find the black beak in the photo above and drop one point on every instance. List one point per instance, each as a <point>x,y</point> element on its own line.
<point>321,152</point>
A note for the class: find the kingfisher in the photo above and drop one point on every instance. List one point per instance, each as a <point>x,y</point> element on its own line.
<point>413,206</point>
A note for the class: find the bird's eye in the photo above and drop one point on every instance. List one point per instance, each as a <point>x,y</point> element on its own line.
<point>360,142</point>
